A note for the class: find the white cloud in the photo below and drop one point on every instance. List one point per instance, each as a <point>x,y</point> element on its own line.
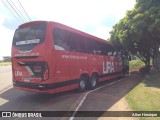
<point>6,41</point>
<point>102,32</point>
<point>5,38</point>
<point>6,34</point>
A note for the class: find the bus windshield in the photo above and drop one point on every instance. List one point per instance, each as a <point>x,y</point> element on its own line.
<point>25,39</point>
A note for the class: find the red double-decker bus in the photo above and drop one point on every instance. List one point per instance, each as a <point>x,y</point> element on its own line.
<point>50,57</point>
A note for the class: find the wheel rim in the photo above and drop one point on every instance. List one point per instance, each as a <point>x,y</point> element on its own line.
<point>82,84</point>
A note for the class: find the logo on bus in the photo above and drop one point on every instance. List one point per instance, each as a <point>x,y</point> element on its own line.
<point>108,67</point>
<point>18,73</point>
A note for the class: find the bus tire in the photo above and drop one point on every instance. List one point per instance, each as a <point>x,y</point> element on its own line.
<point>93,81</point>
<point>82,84</point>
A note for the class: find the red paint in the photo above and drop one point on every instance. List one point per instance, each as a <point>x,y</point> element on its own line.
<point>59,65</point>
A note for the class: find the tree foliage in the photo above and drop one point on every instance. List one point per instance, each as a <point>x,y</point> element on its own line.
<point>139,30</point>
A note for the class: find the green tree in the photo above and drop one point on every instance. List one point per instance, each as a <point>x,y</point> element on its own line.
<point>139,30</point>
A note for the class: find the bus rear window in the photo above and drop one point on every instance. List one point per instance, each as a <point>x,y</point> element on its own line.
<point>25,39</point>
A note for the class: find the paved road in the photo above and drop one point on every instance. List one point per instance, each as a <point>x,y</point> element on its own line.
<point>100,99</point>
<point>5,77</point>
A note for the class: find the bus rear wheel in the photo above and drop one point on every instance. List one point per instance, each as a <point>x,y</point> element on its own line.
<point>93,81</point>
<point>82,84</point>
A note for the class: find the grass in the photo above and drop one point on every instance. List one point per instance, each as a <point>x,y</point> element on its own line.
<point>146,95</point>
<point>5,63</point>
<point>135,64</point>
<point>143,98</point>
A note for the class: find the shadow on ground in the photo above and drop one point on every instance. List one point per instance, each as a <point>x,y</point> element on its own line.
<point>152,79</point>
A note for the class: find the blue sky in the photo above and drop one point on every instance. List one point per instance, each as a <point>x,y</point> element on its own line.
<point>95,17</point>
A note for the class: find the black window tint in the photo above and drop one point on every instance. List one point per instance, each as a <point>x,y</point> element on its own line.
<point>66,40</point>
<point>89,46</point>
<point>110,50</point>
<point>69,41</point>
<point>27,38</point>
<point>59,39</point>
<point>75,42</point>
<point>103,48</point>
<point>96,47</point>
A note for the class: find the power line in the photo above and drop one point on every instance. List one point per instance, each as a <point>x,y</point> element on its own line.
<point>15,10</point>
<point>18,10</point>
<point>11,11</point>
<point>24,10</point>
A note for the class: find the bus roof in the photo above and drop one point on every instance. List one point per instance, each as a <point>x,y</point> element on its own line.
<point>31,23</point>
<point>67,27</point>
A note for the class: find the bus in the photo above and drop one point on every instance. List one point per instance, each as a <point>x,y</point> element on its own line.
<point>50,57</point>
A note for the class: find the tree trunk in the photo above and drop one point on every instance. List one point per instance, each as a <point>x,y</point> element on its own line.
<point>156,57</point>
<point>148,62</point>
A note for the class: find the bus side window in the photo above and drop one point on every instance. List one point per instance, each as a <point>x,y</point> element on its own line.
<point>59,39</point>
<point>109,53</point>
<point>114,53</point>
<point>58,44</point>
<point>75,42</point>
<point>92,47</point>
<point>88,46</point>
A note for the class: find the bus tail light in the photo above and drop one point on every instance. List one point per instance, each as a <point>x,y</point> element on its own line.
<point>43,70</point>
<point>37,69</point>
